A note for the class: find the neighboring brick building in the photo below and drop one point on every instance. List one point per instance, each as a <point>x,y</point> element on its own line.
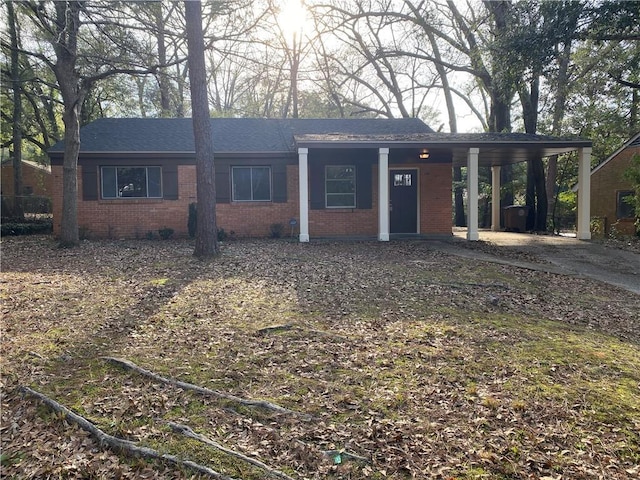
<point>609,189</point>
<point>315,177</point>
<point>36,188</point>
<point>36,178</point>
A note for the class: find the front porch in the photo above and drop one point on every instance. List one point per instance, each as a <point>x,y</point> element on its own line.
<point>469,150</point>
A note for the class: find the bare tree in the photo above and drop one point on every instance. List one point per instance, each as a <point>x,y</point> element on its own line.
<point>17,210</point>
<point>206,232</point>
<point>80,62</point>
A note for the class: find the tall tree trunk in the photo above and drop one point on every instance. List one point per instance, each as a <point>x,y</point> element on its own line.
<point>536,198</point>
<point>163,81</point>
<point>18,210</point>
<point>458,190</point>
<point>293,56</point>
<point>206,231</point>
<point>556,127</point>
<point>501,90</point>
<point>635,108</point>
<point>66,48</point>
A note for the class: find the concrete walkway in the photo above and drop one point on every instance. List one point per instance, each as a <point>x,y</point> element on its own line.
<point>555,254</point>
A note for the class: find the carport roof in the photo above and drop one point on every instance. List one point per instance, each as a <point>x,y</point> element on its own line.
<point>495,148</point>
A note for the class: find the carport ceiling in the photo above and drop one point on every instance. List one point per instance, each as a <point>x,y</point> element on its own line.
<point>495,148</point>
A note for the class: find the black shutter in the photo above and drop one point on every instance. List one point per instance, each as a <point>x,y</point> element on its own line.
<point>223,183</point>
<point>316,185</point>
<point>279,183</point>
<point>170,182</point>
<point>364,188</point>
<point>89,182</point>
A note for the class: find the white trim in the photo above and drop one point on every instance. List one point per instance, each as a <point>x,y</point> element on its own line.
<point>472,191</point>
<point>355,187</point>
<point>383,194</point>
<point>303,191</point>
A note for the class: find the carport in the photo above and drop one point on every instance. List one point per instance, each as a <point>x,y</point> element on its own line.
<point>471,150</point>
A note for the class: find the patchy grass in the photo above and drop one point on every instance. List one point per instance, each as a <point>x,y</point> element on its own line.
<point>429,365</point>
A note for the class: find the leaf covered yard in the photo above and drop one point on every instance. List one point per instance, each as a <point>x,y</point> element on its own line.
<point>383,360</point>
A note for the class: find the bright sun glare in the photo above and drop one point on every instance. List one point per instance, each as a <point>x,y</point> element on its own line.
<point>292,17</point>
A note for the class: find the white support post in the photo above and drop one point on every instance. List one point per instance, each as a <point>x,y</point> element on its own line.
<point>472,192</point>
<point>584,193</point>
<point>303,188</point>
<point>495,198</point>
<point>383,194</point>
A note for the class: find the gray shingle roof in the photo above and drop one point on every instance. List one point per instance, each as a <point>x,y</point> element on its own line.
<point>229,134</point>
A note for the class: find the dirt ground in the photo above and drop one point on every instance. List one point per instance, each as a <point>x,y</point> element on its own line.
<point>447,360</point>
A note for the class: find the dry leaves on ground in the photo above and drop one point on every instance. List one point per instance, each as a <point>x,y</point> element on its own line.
<point>426,364</point>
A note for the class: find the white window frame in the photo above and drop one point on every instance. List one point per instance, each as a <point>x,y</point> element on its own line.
<point>121,197</point>
<point>327,194</point>
<point>251,167</point>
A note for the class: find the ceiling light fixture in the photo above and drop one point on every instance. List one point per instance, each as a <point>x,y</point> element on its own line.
<point>424,154</point>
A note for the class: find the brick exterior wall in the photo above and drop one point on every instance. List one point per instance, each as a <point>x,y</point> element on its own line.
<point>38,179</point>
<point>133,218</point>
<point>435,199</point>
<point>605,185</point>
<point>435,182</point>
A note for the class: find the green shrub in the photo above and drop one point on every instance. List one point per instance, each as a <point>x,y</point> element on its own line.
<point>276,230</point>
<point>165,233</point>
<point>222,235</point>
<point>26,228</point>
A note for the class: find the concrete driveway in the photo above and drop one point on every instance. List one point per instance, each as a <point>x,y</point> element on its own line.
<point>556,254</point>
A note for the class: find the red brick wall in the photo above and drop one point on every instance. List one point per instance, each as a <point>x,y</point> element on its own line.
<point>129,218</point>
<point>254,219</point>
<point>605,184</point>
<point>435,198</point>
<point>133,218</point>
<point>36,178</point>
<point>435,207</point>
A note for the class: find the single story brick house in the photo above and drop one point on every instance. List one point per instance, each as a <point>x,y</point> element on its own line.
<point>609,189</point>
<point>334,177</point>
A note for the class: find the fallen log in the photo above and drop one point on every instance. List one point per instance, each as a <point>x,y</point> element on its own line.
<point>201,390</point>
<point>275,329</point>
<point>186,431</point>
<point>118,444</point>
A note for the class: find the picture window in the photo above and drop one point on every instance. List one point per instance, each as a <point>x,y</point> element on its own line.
<point>251,184</point>
<point>131,182</point>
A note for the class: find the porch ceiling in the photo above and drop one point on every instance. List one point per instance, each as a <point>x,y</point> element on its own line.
<point>495,148</point>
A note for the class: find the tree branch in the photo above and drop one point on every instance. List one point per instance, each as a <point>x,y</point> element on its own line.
<point>201,390</point>
<point>118,444</point>
<point>187,432</point>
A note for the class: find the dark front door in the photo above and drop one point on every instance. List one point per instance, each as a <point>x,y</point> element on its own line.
<point>403,201</point>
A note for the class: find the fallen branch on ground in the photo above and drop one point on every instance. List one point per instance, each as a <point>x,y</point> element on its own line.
<point>119,444</point>
<point>201,390</point>
<point>275,328</point>
<point>289,326</point>
<point>186,431</point>
<point>337,456</point>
